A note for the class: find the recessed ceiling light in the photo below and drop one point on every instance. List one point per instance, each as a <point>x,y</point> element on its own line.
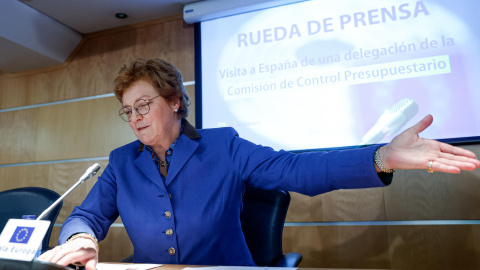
<point>121,15</point>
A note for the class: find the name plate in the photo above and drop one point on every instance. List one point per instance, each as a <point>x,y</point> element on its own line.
<point>21,238</point>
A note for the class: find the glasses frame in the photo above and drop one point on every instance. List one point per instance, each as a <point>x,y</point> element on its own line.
<point>122,110</point>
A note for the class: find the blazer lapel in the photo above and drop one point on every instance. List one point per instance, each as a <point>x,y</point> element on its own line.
<point>147,166</point>
<point>181,153</point>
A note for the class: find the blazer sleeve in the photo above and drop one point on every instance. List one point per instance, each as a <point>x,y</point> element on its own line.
<point>97,212</point>
<point>310,173</point>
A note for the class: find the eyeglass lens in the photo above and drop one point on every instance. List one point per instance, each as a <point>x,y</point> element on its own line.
<point>141,107</point>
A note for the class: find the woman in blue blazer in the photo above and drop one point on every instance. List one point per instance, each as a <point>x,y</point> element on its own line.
<point>179,190</point>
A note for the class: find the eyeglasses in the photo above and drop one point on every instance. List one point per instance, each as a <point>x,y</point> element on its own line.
<point>141,106</point>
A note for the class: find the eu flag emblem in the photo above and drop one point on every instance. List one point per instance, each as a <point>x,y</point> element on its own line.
<point>21,235</point>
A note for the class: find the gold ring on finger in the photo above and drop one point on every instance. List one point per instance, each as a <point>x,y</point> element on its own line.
<point>430,163</point>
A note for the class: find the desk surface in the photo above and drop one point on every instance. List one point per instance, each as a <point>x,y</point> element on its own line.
<point>180,267</point>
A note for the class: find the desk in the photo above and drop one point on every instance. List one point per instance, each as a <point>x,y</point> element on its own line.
<point>180,267</point>
<point>39,265</point>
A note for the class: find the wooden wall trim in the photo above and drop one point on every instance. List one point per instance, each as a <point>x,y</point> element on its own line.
<point>95,35</point>
<point>92,69</point>
<point>135,27</point>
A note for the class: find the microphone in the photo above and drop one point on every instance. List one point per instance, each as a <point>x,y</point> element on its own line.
<point>391,121</point>
<point>88,173</point>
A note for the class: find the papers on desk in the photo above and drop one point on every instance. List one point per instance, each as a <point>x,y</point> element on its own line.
<point>239,268</point>
<point>141,266</point>
<point>115,266</point>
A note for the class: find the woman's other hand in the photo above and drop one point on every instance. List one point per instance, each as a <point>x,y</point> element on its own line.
<point>409,151</point>
<point>77,251</point>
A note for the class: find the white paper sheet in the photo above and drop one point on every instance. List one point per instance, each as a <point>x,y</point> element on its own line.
<point>115,266</point>
<point>239,268</point>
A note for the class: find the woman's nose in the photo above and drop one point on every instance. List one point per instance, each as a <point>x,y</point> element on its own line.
<point>135,115</point>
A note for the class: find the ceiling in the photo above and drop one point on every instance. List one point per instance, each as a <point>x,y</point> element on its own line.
<point>41,33</point>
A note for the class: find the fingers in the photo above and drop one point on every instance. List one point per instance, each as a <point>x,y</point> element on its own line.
<point>438,166</point>
<point>53,255</point>
<point>48,255</point>
<point>459,159</point>
<point>451,163</point>
<point>80,250</point>
<point>422,125</point>
<point>449,166</point>
<point>82,256</point>
<point>453,159</point>
<point>447,148</point>
<point>90,265</point>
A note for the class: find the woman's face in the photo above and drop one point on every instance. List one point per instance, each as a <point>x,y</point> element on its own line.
<point>158,124</point>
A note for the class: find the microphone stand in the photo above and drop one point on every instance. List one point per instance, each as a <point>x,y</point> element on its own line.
<point>88,173</point>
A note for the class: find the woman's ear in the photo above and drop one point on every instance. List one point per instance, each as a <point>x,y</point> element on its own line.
<point>175,105</point>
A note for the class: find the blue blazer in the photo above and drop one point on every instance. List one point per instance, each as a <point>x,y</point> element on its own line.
<point>194,216</point>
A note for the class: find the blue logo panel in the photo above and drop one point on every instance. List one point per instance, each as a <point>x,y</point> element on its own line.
<point>22,235</point>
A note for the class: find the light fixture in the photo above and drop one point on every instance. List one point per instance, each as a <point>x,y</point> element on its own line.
<point>121,15</point>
